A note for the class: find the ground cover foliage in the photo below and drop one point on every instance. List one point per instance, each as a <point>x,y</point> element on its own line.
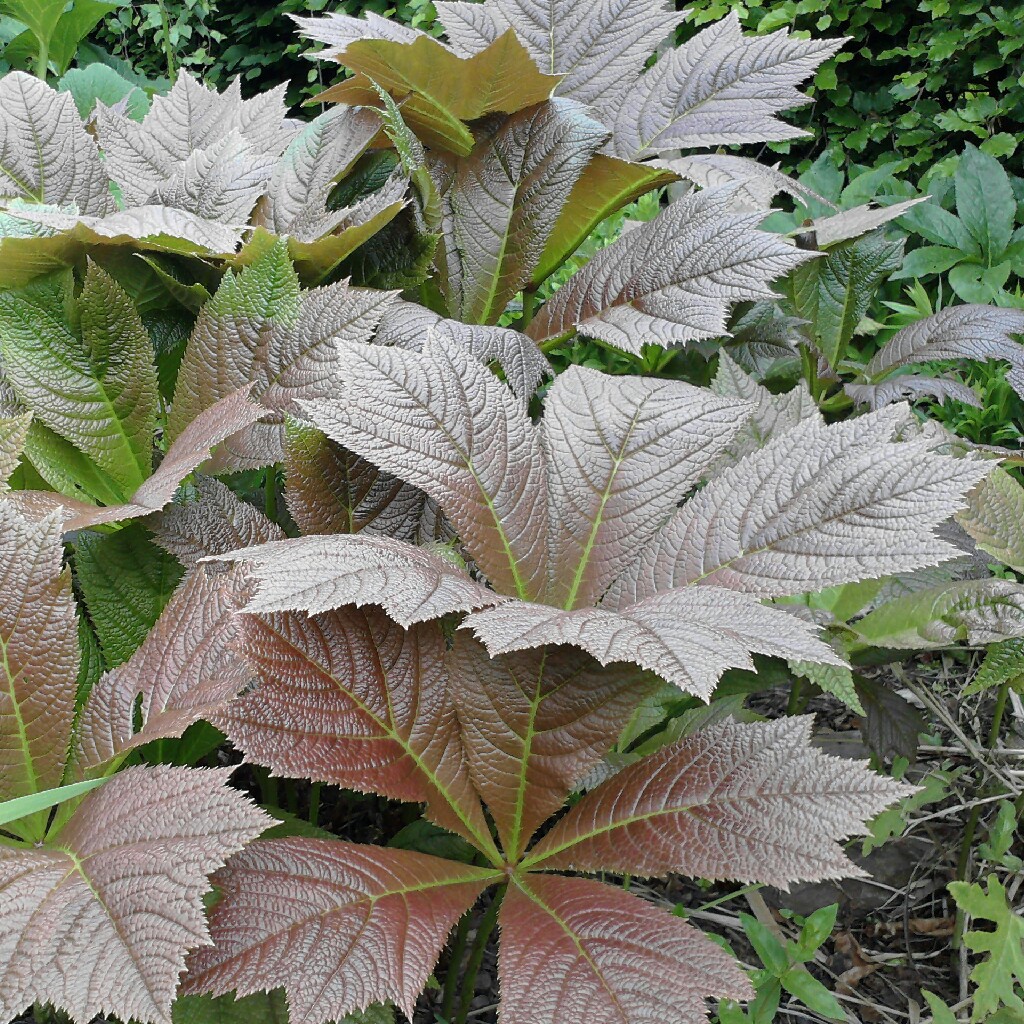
<point>411,515</point>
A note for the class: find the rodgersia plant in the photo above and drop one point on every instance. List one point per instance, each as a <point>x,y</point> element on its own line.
<point>479,595</point>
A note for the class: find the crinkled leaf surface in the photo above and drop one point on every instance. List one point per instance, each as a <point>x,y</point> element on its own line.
<point>672,279</point>
<point>191,449</point>
<point>533,725</point>
<point>441,90</point>
<point>46,155</point>
<point>443,422</point>
<point>350,698</point>
<point>332,490</point>
<point>977,611</point>
<point>190,122</point>
<point>957,332</point>
<point>818,506</point>
<point>772,414</point>
<point>261,329</point>
<point>620,453</point>
<point>595,46</point>
<point>994,517</point>
<point>688,636</point>
<point>575,949</point>
<point>94,385</point>
<point>756,184</point>
<point>99,920</point>
<point>318,574</point>
<point>719,88</point>
<point>185,670</point>
<point>745,802</point>
<point>500,203</point>
<point>125,580</point>
<point>39,652</point>
<point>13,434</point>
<point>911,387</point>
<point>339,926</point>
<point>212,521</point>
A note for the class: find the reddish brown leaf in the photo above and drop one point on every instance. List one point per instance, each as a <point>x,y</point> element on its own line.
<point>339,926</point>
<point>755,803</point>
<point>216,522</point>
<point>185,670</point>
<point>100,920</point>
<point>331,490</point>
<point>577,950</point>
<point>350,698</point>
<point>38,654</point>
<point>533,725</point>
<point>185,455</point>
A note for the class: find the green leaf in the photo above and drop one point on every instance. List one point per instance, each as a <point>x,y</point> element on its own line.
<point>984,202</point>
<point>974,283</point>
<point>941,1013</point>
<point>939,226</point>
<point>834,679</point>
<point>816,929</point>
<point>929,259</point>
<point>1004,662</point>
<point>99,83</point>
<point>605,187</point>
<point>261,1008</point>
<point>812,993</point>
<point>994,517</point>
<point>1000,975</point>
<point>766,945</point>
<point>40,16</point>
<point>74,25</point>
<point>84,370</point>
<point>23,806</point>
<point>833,293</point>
<point>126,580</point>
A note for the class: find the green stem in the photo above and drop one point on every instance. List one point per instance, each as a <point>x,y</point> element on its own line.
<point>451,981</point>
<point>529,308</point>
<point>314,803</point>
<point>42,59</point>
<point>796,702</point>
<point>270,493</point>
<point>809,365</point>
<point>964,859</point>
<point>476,956</point>
<point>172,72</point>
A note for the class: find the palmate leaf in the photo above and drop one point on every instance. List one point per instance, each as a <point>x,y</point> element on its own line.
<point>672,279</point>
<point>46,155</point>
<point>816,507</point>
<point>282,342</point>
<point>93,383</point>
<point>750,802</point>
<point>80,911</point>
<point>350,698</point>
<point>620,452</point>
<point>351,924</point>
<point>500,203</point>
<point>484,468</point>
<point>689,637</point>
<point>595,46</point>
<point>184,134</point>
<point>317,574</point>
<point>574,949</point>
<point>191,449</point>
<point>719,88</point>
<point>441,91</point>
<point>38,654</point>
<point>533,725</point>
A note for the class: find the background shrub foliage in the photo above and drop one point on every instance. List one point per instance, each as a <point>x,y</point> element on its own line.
<point>476,447</point>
